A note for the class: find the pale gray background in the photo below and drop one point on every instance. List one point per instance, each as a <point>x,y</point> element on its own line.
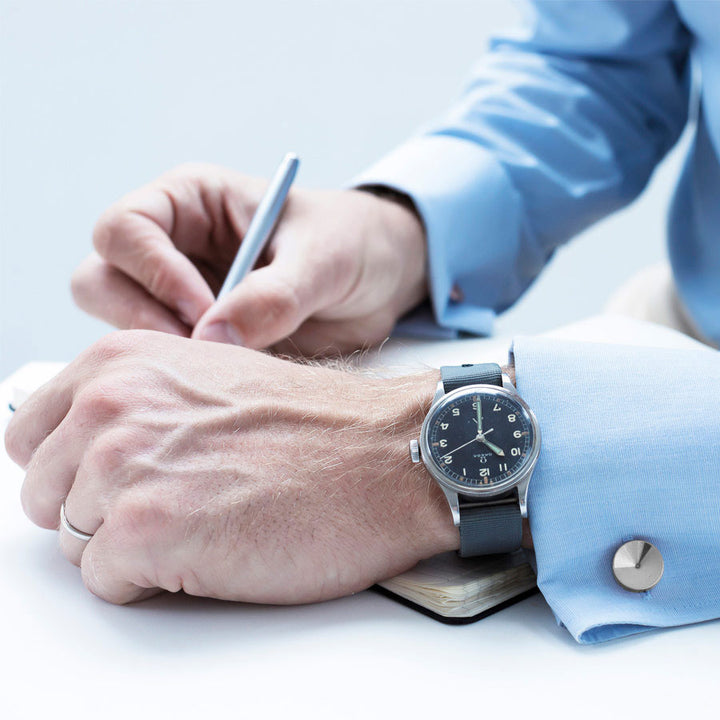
<point>100,97</point>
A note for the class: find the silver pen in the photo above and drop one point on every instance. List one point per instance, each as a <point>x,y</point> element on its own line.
<point>262,224</point>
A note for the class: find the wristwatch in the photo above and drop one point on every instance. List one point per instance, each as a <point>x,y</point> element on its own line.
<point>480,441</point>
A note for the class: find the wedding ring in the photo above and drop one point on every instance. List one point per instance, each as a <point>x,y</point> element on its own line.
<point>79,534</point>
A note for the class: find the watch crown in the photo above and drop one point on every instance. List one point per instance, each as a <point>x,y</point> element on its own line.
<point>414,451</point>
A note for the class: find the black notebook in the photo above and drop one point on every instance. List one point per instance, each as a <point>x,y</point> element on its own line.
<point>462,590</point>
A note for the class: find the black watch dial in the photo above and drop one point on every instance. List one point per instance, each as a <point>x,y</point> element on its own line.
<point>480,439</point>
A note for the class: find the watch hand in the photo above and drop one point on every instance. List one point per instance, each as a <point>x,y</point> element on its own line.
<point>494,448</point>
<point>479,417</point>
<point>477,437</point>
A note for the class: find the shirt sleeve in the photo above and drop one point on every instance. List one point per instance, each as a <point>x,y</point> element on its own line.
<point>562,122</point>
<point>629,451</point>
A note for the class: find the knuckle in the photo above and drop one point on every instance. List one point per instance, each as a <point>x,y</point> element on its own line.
<point>138,517</point>
<point>281,301</point>
<point>141,318</point>
<point>109,231</point>
<point>111,346</point>
<point>41,509</point>
<point>95,572</point>
<point>108,454</point>
<point>169,580</point>
<point>159,279</point>
<point>16,444</point>
<point>81,284</point>
<point>101,400</point>
<point>189,581</point>
<point>44,488</point>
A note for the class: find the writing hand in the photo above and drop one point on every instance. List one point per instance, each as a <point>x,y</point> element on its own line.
<point>340,269</point>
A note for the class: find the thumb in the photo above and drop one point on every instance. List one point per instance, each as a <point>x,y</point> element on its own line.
<point>267,306</point>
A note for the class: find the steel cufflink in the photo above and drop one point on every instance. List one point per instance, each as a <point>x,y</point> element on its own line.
<point>638,566</point>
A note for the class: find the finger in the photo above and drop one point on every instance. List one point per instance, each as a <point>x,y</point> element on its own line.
<point>109,571</point>
<point>100,477</point>
<point>50,475</point>
<point>134,236</point>
<point>262,309</point>
<point>107,293</point>
<point>46,408</point>
<point>269,304</point>
<point>84,499</point>
<point>85,452</point>
<point>39,415</point>
<point>97,401</point>
<point>71,546</point>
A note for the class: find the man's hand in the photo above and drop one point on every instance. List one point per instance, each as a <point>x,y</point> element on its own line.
<point>341,268</point>
<point>227,472</point>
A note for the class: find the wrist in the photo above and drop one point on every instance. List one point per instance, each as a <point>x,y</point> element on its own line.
<point>405,245</point>
<point>432,525</point>
<point>429,521</point>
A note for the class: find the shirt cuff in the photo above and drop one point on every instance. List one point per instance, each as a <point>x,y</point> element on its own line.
<point>471,213</point>
<point>629,451</point>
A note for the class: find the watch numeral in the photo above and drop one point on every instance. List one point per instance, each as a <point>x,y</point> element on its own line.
<point>512,418</point>
<point>443,443</point>
<point>503,467</point>
<point>497,408</point>
<point>515,451</point>
<point>484,472</point>
<point>517,434</point>
<point>456,411</point>
<point>444,426</point>
<point>448,459</point>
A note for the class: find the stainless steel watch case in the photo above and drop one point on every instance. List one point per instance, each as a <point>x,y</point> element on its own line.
<point>420,450</point>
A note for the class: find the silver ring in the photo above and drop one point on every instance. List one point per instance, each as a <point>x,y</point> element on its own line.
<point>79,534</point>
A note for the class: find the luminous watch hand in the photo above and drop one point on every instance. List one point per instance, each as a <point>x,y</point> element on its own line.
<point>479,417</point>
<point>494,448</point>
<point>477,437</point>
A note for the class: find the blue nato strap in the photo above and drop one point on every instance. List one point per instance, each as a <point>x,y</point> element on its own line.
<point>487,527</point>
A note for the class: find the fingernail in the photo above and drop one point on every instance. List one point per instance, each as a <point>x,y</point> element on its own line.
<point>221,332</point>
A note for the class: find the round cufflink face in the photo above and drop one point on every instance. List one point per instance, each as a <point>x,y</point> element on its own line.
<point>638,566</point>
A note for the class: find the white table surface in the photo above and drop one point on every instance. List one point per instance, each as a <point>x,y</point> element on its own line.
<point>67,654</point>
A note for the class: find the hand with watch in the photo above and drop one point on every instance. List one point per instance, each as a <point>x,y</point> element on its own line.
<point>172,464</point>
<point>480,441</point>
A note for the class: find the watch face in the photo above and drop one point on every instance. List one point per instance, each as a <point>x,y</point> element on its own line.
<point>480,438</point>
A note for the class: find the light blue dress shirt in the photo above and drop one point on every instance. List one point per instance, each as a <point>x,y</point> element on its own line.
<point>563,122</point>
